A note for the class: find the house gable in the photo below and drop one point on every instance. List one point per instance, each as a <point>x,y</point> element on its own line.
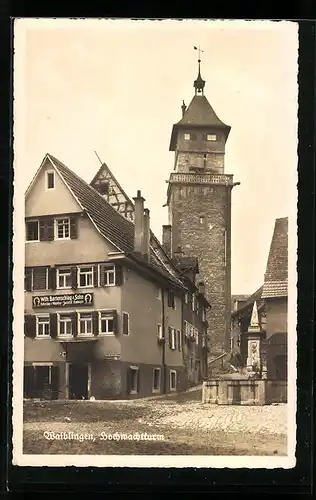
<point>40,200</point>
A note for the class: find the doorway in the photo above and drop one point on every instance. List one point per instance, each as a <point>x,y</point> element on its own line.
<point>78,381</point>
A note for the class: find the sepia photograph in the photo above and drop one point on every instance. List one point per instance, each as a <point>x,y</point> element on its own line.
<point>155,227</point>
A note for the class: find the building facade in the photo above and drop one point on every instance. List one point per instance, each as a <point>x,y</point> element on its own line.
<point>271,300</point>
<point>199,207</point>
<point>103,311</point>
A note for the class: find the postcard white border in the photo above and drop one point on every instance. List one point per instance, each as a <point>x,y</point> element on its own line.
<point>147,461</point>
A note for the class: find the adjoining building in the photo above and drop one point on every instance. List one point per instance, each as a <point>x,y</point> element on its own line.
<point>103,302</point>
<point>271,299</point>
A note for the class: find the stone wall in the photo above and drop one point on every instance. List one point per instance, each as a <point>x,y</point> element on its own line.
<point>200,218</point>
<point>244,392</point>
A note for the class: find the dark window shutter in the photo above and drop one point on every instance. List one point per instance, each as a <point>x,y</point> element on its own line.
<point>171,298</point>
<point>74,273</point>
<point>102,274</point>
<point>115,326</point>
<point>95,276</point>
<point>95,323</point>
<point>170,336</point>
<point>179,339</point>
<point>74,323</point>
<point>30,325</point>
<point>53,325</point>
<point>28,279</point>
<point>73,227</point>
<point>42,230</point>
<point>52,278</point>
<point>49,229</point>
<point>118,275</point>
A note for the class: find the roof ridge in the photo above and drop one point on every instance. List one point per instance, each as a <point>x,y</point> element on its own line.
<point>91,188</point>
<point>122,235</point>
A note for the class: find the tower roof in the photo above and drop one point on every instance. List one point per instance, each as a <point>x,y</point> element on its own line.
<point>198,114</point>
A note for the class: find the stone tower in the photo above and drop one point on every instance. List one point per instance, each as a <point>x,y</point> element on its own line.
<point>199,207</point>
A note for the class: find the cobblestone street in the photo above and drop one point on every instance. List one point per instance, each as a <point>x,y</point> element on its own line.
<point>195,415</point>
<point>188,427</point>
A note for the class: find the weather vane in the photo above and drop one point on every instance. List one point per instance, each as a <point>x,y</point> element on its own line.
<point>199,49</point>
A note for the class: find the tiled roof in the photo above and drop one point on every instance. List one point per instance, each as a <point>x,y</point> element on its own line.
<point>158,254</point>
<point>276,275</point>
<point>275,289</point>
<point>200,112</point>
<point>110,223</point>
<point>256,296</point>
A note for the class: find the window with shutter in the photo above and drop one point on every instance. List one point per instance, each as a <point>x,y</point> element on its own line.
<point>28,279</point>
<point>42,230</point>
<point>42,326</point>
<point>32,230</point>
<point>52,278</point>
<point>85,324</point>
<point>66,322</point>
<point>74,278</point>
<point>64,278</point>
<point>107,323</point>
<point>62,228</point>
<point>40,278</point>
<point>95,276</point>
<point>95,323</point>
<point>171,299</point>
<point>30,325</point>
<point>74,323</point>
<point>170,336</point>
<point>125,321</point>
<point>49,228</point>
<point>179,340</point>
<point>85,277</point>
<point>53,325</point>
<point>118,275</point>
<point>73,227</point>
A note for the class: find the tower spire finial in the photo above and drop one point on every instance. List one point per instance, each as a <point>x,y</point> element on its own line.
<point>199,83</point>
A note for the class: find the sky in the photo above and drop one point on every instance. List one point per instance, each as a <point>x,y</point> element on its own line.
<point>116,87</point>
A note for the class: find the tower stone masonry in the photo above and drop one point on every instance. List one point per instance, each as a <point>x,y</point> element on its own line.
<point>199,207</point>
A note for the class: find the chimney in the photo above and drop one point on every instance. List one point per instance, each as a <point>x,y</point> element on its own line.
<point>166,239</point>
<point>201,287</point>
<point>147,233</point>
<point>183,107</point>
<point>139,223</point>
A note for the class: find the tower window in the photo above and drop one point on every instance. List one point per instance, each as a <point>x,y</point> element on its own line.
<point>211,137</point>
<point>201,219</point>
<point>187,137</point>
